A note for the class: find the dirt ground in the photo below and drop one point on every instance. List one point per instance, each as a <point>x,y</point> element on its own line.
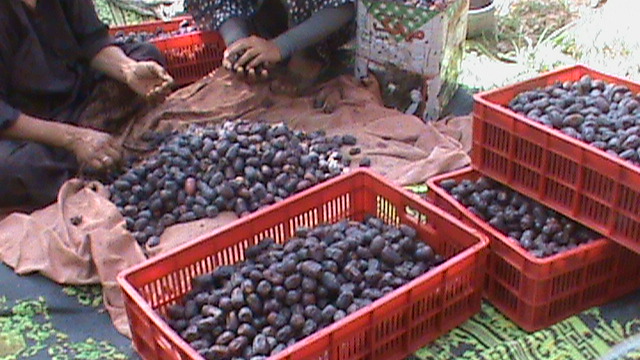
<point>534,36</point>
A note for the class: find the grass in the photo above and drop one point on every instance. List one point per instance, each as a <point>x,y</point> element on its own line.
<point>535,36</point>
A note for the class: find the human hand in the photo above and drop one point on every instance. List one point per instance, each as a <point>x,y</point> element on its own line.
<point>148,79</point>
<point>95,149</point>
<point>251,56</point>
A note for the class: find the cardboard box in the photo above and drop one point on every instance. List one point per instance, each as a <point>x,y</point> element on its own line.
<point>415,52</point>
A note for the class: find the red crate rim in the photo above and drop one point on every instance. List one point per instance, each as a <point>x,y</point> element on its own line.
<point>198,34</point>
<point>481,98</point>
<point>511,243</point>
<point>151,23</point>
<point>190,39</point>
<point>131,28</point>
<point>184,346</point>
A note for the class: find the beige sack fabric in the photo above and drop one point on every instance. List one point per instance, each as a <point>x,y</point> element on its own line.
<point>82,240</point>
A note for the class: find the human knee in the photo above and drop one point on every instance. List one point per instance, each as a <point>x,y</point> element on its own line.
<point>31,174</point>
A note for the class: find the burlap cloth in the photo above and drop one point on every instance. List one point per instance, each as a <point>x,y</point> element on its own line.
<point>82,238</point>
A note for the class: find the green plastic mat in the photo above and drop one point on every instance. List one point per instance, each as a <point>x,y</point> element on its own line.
<point>38,328</point>
<point>27,331</point>
<point>489,335</point>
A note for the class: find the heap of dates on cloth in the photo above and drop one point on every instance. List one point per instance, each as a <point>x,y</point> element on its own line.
<point>236,166</point>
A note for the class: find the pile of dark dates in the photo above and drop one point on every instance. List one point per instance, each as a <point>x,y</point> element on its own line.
<point>606,116</point>
<point>236,166</point>
<point>538,229</point>
<point>283,293</point>
<point>122,37</point>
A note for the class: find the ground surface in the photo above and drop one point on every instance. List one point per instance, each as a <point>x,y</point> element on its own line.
<point>539,35</point>
<point>42,320</point>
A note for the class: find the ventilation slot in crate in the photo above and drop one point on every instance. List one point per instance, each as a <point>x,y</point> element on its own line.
<point>559,194</point>
<point>503,296</point>
<point>594,210</point>
<point>336,209</point>
<point>387,211</point>
<point>495,164</point>
<point>526,177</point>
<point>496,138</point>
<point>529,154</point>
<point>566,282</point>
<point>562,169</point>
<point>505,272</point>
<point>598,185</point>
<point>353,348</point>
<point>627,227</point>
<point>630,201</point>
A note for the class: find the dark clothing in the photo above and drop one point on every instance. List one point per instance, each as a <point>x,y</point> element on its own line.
<point>45,73</point>
<point>308,23</point>
<point>44,56</point>
<point>31,174</point>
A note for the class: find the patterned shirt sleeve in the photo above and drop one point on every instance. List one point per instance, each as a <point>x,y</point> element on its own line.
<point>301,10</point>
<point>314,30</point>
<point>211,14</point>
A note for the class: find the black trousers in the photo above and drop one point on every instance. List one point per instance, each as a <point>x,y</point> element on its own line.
<point>31,174</point>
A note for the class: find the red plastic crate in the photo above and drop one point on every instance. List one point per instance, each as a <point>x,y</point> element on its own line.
<point>570,176</point>
<point>537,293</point>
<point>151,26</point>
<point>391,328</point>
<point>189,57</point>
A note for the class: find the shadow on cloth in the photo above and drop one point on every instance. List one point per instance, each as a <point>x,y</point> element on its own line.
<point>98,247</point>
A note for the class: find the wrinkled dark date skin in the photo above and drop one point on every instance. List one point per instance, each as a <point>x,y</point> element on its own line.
<point>604,115</point>
<point>236,166</point>
<point>540,230</point>
<point>283,293</point>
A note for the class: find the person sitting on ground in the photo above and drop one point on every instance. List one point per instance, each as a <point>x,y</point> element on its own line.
<point>303,32</point>
<point>52,54</point>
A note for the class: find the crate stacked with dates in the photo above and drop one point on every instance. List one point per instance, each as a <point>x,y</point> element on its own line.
<point>190,53</point>
<point>555,184</point>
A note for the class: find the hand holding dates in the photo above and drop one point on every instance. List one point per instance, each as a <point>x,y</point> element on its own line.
<point>95,149</point>
<point>148,79</point>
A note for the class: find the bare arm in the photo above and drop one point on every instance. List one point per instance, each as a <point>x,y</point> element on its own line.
<point>93,148</point>
<point>249,53</point>
<point>45,132</point>
<point>146,78</point>
<point>113,62</point>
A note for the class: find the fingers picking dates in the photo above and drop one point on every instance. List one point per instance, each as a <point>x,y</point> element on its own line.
<point>283,293</point>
